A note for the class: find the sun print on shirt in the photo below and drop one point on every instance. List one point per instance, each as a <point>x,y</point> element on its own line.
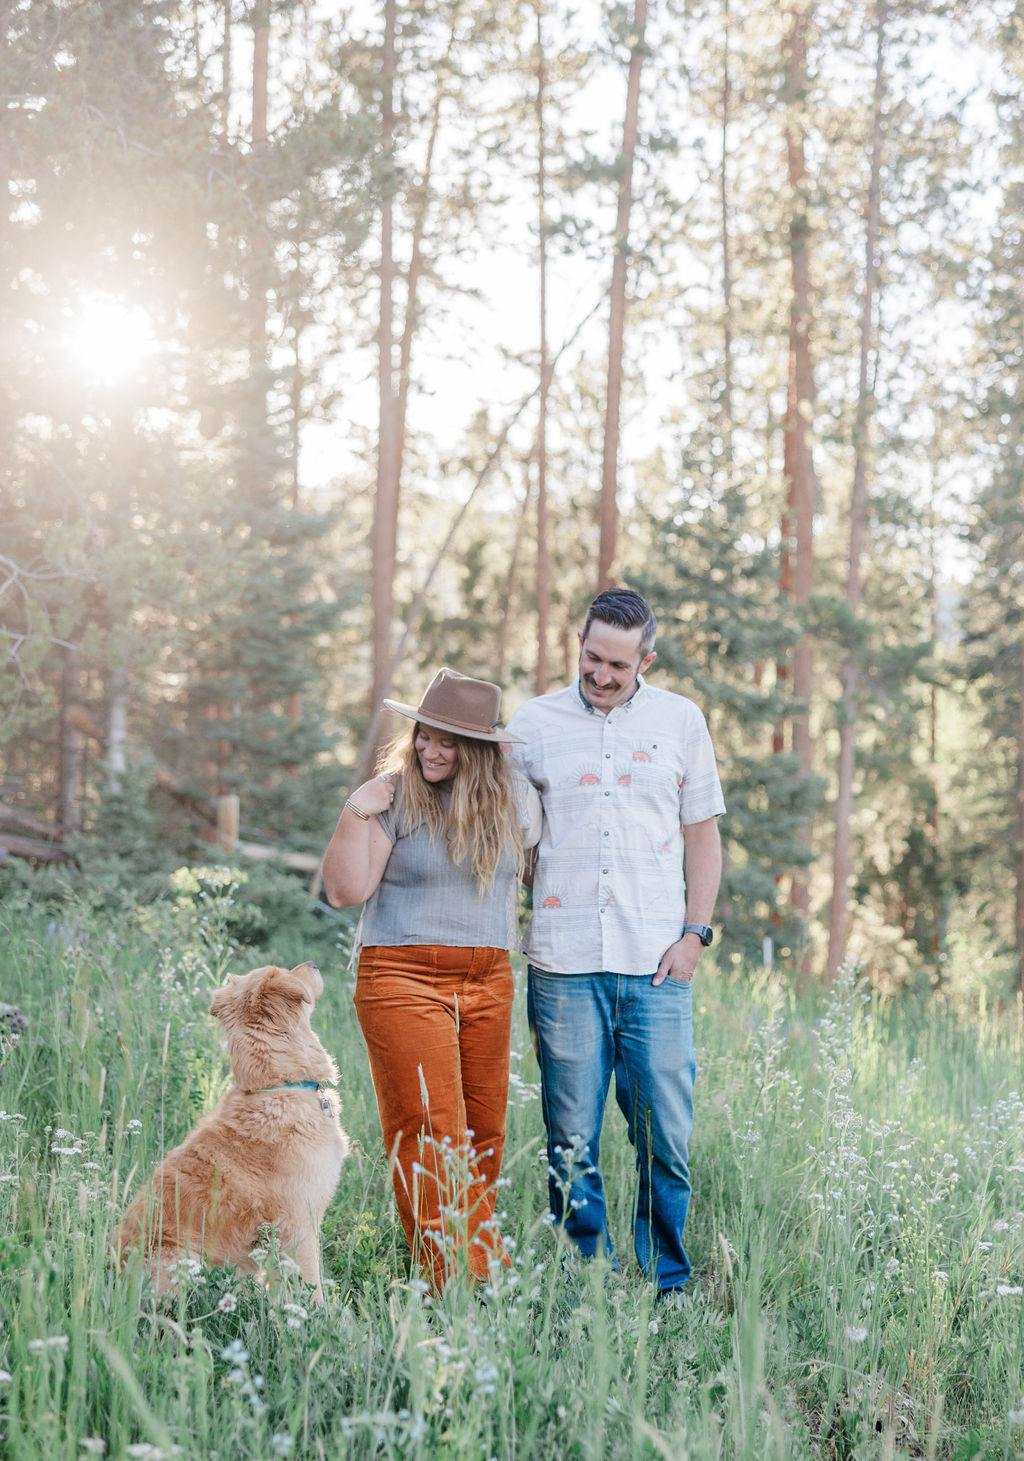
<point>644,752</point>
<point>555,898</point>
<point>586,776</point>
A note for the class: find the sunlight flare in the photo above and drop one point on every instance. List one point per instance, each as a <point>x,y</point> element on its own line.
<point>108,340</point>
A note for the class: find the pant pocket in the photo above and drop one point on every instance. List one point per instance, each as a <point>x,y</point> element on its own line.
<point>413,960</point>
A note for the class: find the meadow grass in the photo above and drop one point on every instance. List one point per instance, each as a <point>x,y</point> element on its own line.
<point>857,1234</point>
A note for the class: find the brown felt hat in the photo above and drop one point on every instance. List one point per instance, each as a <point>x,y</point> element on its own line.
<point>454,702</point>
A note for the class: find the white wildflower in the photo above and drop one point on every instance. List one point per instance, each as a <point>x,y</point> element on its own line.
<point>5,1378</point>
<point>228,1304</point>
<point>1009,1290</point>
<point>95,1445</point>
<point>53,1341</point>
<point>856,1333</point>
<point>235,1354</point>
<point>281,1444</point>
<point>63,1135</point>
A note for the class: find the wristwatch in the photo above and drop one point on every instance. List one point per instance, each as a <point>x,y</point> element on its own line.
<point>703,932</point>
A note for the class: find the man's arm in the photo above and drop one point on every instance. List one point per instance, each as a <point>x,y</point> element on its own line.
<point>702,860</point>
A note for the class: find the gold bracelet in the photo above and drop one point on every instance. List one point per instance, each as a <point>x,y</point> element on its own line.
<point>363,816</point>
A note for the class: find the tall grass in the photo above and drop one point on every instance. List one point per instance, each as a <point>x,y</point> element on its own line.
<point>857,1233</point>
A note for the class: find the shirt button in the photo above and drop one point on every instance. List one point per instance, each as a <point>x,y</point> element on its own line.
<point>604,871</point>
<point>607,793</point>
<point>606,834</point>
<point>607,755</point>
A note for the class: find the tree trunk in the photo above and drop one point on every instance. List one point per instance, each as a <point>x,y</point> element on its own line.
<point>617,307</point>
<point>509,596</point>
<point>385,516</point>
<point>421,202</point>
<point>117,732</point>
<point>543,560</point>
<point>723,186</point>
<point>72,749</point>
<point>196,48</point>
<point>798,465</point>
<point>260,62</point>
<point>842,854</point>
<point>225,57</point>
<point>1018,912</point>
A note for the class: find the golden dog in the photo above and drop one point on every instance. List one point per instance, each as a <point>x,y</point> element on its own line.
<point>270,1152</point>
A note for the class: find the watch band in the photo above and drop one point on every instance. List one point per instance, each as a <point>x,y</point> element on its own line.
<point>702,930</point>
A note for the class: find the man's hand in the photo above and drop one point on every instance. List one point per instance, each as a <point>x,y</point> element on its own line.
<point>679,960</point>
<point>703,853</point>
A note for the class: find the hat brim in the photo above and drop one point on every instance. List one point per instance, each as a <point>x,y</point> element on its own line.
<point>498,736</point>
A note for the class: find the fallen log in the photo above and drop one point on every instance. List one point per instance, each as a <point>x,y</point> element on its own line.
<point>15,819</point>
<point>299,862</point>
<point>213,809</point>
<point>33,847</point>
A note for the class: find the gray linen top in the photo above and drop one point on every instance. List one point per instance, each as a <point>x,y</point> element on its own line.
<point>424,897</point>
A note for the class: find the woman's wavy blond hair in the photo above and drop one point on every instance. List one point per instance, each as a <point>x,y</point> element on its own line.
<point>482,820</point>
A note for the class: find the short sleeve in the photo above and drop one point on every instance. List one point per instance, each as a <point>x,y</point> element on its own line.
<point>388,818</point>
<point>530,814</point>
<point>700,795</point>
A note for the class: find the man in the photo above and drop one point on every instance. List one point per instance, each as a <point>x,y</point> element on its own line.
<point>630,791</point>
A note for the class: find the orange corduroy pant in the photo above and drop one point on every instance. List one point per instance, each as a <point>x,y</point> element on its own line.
<point>437,1024</point>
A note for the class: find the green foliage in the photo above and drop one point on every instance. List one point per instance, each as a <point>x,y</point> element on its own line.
<point>722,629</point>
<point>856,1235</point>
<point>260,911</point>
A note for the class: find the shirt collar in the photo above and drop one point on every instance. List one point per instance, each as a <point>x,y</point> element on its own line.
<point>626,705</point>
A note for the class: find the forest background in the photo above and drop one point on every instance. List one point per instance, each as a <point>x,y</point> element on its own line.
<point>340,343</point>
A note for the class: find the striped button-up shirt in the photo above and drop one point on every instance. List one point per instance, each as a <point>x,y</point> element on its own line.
<point>609,893</point>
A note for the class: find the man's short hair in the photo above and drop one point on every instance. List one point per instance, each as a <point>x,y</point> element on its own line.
<point>624,609</point>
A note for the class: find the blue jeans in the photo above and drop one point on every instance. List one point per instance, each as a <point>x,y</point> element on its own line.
<point>584,1026</point>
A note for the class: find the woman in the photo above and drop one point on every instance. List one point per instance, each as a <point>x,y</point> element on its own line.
<point>434,848</point>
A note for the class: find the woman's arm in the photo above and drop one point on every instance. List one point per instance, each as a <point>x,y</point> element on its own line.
<point>358,852</point>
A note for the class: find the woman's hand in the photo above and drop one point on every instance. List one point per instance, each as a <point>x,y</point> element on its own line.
<point>358,852</point>
<point>374,796</point>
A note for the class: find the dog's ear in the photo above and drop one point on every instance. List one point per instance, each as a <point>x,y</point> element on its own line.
<point>220,1000</point>
<point>295,984</point>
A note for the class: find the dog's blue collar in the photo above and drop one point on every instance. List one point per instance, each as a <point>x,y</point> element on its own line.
<point>287,1086</point>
